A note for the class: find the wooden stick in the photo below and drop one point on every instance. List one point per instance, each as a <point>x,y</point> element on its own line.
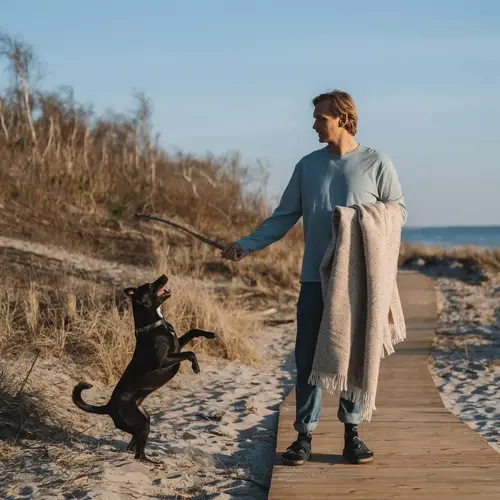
<point>192,233</point>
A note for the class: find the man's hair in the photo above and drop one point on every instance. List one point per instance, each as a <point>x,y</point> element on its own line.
<point>341,105</point>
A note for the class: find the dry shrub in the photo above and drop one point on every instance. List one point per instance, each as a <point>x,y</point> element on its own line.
<point>69,174</point>
<point>472,255</point>
<point>24,411</point>
<point>81,320</point>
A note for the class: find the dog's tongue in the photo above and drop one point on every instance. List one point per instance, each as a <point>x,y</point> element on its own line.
<point>164,291</point>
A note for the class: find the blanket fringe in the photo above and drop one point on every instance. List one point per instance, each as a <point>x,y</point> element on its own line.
<point>331,383</point>
<point>397,335</point>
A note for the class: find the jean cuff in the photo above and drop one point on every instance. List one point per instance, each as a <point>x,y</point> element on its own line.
<point>349,418</point>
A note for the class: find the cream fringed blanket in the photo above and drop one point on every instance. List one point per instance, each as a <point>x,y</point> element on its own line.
<point>362,314</point>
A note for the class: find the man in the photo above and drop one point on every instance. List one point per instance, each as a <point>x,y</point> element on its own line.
<point>343,173</point>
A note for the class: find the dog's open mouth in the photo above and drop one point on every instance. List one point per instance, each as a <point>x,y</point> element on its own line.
<point>164,292</point>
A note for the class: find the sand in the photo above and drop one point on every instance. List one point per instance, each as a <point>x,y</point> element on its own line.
<point>465,363</point>
<point>213,434</point>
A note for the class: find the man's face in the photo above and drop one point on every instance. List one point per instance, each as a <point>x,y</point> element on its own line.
<point>325,124</point>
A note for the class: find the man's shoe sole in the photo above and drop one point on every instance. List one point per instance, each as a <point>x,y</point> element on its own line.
<point>359,461</point>
<point>287,461</point>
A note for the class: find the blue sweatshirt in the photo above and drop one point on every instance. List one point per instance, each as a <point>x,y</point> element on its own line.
<point>320,182</point>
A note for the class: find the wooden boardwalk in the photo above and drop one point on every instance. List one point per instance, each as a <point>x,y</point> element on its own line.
<point>421,449</point>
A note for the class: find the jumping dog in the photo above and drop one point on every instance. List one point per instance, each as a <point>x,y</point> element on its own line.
<point>156,360</point>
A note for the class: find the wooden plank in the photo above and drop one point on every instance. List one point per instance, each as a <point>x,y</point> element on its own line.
<point>421,449</point>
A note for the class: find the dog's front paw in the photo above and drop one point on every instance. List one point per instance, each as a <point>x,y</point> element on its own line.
<point>196,368</point>
<point>210,335</point>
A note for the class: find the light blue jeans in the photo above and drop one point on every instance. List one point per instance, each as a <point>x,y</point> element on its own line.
<point>309,397</point>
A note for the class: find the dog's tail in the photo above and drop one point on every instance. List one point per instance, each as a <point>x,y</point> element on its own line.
<point>77,399</point>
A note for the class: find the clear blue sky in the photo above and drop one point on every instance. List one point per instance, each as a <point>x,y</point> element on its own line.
<point>239,76</point>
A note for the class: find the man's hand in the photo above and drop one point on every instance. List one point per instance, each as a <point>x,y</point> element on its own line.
<point>233,252</point>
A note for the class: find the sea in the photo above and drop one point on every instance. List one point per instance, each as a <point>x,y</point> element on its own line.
<point>453,236</point>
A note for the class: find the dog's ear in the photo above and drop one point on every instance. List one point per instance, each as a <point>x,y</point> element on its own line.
<point>130,291</point>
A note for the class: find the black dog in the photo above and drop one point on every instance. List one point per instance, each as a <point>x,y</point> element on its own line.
<point>156,360</point>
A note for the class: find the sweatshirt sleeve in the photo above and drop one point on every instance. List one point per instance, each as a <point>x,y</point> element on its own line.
<point>390,187</point>
<point>281,220</point>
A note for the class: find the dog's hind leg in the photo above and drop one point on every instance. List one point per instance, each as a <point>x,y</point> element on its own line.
<point>131,445</point>
<point>194,333</point>
<point>123,426</point>
<point>140,445</point>
<point>133,442</point>
<point>138,421</point>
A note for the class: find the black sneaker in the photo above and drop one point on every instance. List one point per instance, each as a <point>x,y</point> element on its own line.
<point>356,452</point>
<point>299,452</point>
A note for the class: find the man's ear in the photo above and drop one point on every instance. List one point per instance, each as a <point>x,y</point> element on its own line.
<point>343,120</point>
<point>129,291</point>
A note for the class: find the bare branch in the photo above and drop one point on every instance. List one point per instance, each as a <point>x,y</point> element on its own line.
<point>187,174</point>
<point>22,61</point>
<point>51,135</point>
<point>2,120</point>
<point>208,178</point>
